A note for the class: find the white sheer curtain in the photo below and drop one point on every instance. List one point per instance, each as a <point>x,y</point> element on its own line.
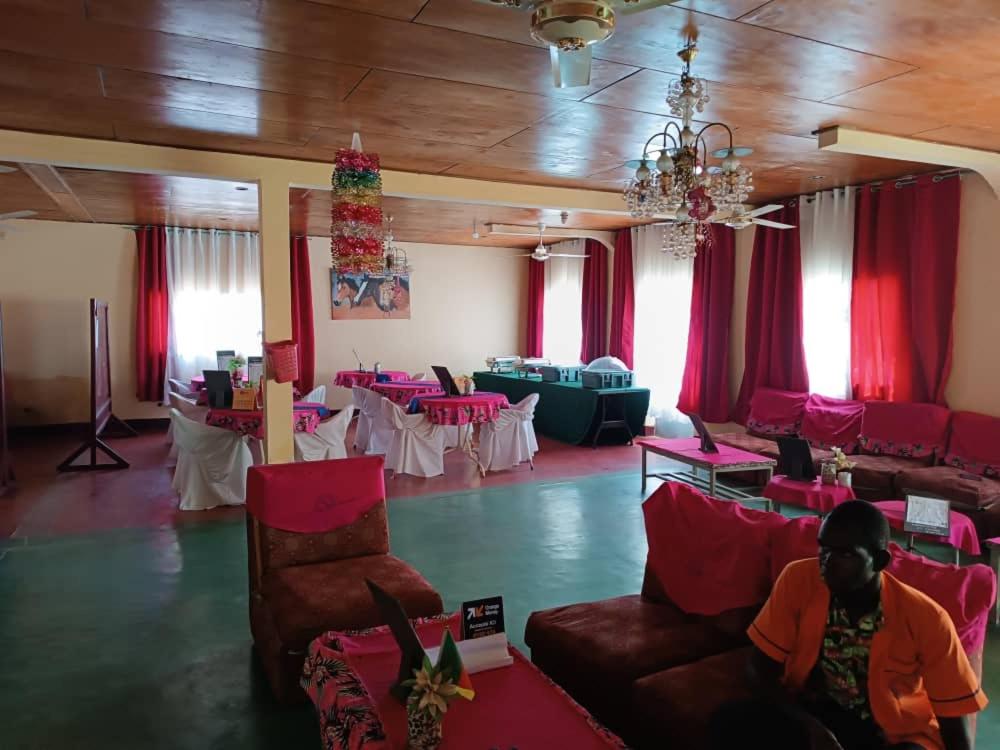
<point>214,282</point>
<point>562,331</point>
<point>827,240</point>
<point>662,314</point>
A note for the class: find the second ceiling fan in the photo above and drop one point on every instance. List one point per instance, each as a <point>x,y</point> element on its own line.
<point>541,252</point>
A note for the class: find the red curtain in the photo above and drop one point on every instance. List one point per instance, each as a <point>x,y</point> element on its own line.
<point>594,302</point>
<point>623,300</point>
<point>302,313</point>
<point>903,293</point>
<point>774,354</point>
<point>705,387</point>
<point>536,307</point>
<point>152,313</point>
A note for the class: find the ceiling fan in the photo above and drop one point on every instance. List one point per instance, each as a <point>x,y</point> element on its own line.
<point>572,27</point>
<point>542,253</point>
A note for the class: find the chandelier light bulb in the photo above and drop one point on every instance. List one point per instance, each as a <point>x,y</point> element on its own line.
<point>687,136</point>
<point>642,172</point>
<point>730,163</point>
<point>665,163</point>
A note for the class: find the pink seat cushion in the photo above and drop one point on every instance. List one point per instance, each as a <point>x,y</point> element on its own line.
<point>313,497</point>
<point>903,429</point>
<point>974,445</point>
<point>776,412</point>
<point>708,555</point>
<point>832,423</point>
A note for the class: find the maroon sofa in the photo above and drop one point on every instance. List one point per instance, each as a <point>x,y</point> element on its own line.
<point>896,447</point>
<point>654,666</point>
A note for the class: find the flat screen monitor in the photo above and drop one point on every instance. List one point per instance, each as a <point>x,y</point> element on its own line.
<point>707,444</point>
<point>796,459</point>
<point>446,380</point>
<point>219,385</point>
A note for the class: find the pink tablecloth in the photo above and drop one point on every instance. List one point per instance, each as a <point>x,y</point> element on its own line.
<point>401,393</point>
<point>462,410</point>
<point>305,418</point>
<point>812,495</point>
<point>348,677</point>
<point>351,378</point>
<point>962,536</point>
<point>198,383</point>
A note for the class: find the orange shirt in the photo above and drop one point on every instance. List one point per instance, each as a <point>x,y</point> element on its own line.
<point>917,668</point>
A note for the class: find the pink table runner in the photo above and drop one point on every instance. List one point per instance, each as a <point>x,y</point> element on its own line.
<point>463,410</point>
<point>348,676</point>
<point>962,536</point>
<point>305,418</point>
<point>402,392</point>
<point>812,495</point>
<point>351,378</point>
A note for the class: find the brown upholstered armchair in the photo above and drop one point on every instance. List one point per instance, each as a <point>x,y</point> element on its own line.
<point>315,531</point>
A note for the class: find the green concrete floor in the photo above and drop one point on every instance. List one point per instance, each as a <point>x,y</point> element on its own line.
<point>139,638</point>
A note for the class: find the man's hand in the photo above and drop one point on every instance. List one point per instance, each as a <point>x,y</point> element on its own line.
<point>955,732</point>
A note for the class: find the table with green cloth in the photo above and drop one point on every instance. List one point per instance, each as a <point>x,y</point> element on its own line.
<point>567,411</point>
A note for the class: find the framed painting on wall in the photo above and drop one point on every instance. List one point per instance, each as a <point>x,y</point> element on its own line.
<point>369,296</point>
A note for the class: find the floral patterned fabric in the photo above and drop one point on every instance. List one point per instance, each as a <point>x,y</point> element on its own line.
<point>843,659</point>
<point>351,378</point>
<point>463,410</point>
<point>756,427</point>
<point>252,422</point>
<point>973,467</point>
<point>876,447</point>
<point>401,393</point>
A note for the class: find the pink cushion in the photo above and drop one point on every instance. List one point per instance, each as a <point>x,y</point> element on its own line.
<point>832,423</point>
<point>974,444</point>
<point>708,555</point>
<point>774,412</point>
<point>904,429</point>
<point>313,497</point>
<point>966,593</point>
<point>795,540</point>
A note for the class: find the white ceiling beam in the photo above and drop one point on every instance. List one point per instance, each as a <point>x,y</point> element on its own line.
<point>862,143</point>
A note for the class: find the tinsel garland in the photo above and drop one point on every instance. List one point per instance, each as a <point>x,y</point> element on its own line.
<point>356,214</point>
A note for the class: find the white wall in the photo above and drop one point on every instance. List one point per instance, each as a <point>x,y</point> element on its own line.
<point>49,270</point>
<point>466,303</point>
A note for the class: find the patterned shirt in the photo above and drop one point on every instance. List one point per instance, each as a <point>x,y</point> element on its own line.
<point>843,659</point>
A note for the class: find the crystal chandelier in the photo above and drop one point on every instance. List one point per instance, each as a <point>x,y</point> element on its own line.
<point>674,177</point>
<point>396,262</point>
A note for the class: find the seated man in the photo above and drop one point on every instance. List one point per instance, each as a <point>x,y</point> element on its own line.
<point>849,657</point>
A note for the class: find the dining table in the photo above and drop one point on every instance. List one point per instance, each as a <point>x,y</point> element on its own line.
<point>366,378</point>
<point>306,417</point>
<point>403,392</point>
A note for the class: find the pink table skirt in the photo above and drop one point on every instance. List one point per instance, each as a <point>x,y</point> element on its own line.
<point>463,410</point>
<point>198,383</point>
<point>401,393</point>
<point>348,676</point>
<point>963,532</point>
<point>351,378</point>
<point>305,418</point>
<point>812,495</point>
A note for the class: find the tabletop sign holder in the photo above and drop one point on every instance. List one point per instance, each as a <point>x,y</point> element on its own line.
<point>927,515</point>
<point>245,399</point>
<point>101,414</point>
<point>482,617</point>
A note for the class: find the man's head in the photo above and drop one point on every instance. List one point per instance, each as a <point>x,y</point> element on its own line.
<point>853,546</point>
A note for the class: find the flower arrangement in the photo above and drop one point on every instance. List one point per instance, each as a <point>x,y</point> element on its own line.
<point>841,461</point>
<point>236,363</point>
<point>356,214</point>
<point>432,688</point>
<point>465,384</point>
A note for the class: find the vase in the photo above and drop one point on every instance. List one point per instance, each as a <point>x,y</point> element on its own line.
<point>423,731</point>
<point>844,478</point>
<point>828,472</point>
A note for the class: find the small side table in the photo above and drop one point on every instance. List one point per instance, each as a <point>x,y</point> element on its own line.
<point>963,533</point>
<point>994,545</point>
<point>814,495</point>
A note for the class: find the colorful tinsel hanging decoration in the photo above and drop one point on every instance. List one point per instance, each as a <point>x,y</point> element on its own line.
<point>356,234</point>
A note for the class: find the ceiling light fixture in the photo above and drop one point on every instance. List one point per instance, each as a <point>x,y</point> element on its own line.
<point>675,177</point>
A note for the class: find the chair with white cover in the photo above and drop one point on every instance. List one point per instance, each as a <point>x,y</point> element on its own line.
<point>364,430</point>
<point>190,409</point>
<point>511,439</point>
<point>316,396</point>
<point>381,431</point>
<point>418,375</point>
<point>212,464</point>
<point>328,440</point>
<point>417,445</point>
<point>179,386</point>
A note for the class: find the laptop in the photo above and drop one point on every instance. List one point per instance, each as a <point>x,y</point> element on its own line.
<point>219,385</point>
<point>795,459</point>
<point>446,380</point>
<point>707,444</point>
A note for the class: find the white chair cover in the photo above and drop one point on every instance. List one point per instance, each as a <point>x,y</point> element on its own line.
<point>417,445</point>
<point>328,440</point>
<point>189,408</point>
<point>178,386</point>
<point>418,375</point>
<point>364,430</point>
<point>212,464</point>
<point>316,396</point>
<point>511,439</point>
<point>381,430</point>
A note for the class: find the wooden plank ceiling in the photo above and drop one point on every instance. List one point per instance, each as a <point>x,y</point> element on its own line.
<point>460,88</point>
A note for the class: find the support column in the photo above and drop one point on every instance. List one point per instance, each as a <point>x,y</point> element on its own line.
<point>276,291</point>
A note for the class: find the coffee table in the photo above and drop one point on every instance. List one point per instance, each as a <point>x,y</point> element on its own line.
<point>688,451</point>
<point>348,675</point>
<point>813,495</point>
<point>962,537</point>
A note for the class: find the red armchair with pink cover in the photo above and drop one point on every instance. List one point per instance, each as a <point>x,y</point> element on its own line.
<point>832,423</point>
<point>970,476</point>
<point>315,531</point>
